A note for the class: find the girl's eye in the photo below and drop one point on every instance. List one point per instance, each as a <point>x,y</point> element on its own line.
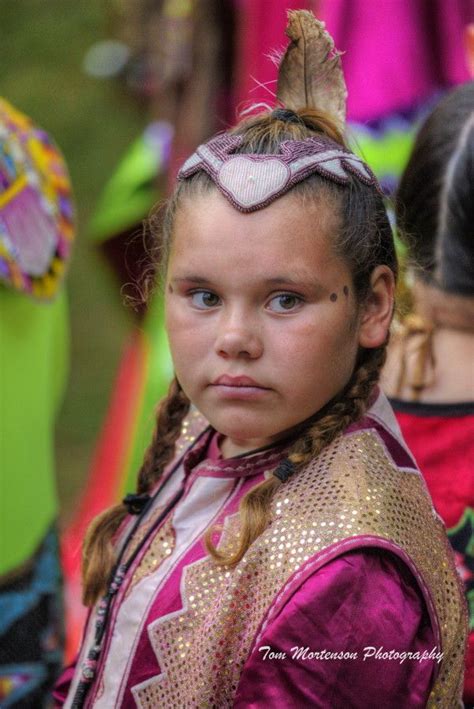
<point>204,299</point>
<point>285,302</point>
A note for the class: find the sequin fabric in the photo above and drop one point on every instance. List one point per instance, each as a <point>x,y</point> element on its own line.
<point>352,495</point>
<point>162,544</point>
<point>193,425</point>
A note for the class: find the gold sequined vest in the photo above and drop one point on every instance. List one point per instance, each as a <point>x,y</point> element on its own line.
<point>352,496</point>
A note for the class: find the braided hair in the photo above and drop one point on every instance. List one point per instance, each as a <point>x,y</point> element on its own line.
<point>98,550</point>
<point>346,408</point>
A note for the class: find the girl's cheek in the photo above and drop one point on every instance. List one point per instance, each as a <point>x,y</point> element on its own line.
<point>177,311</point>
<point>180,324</point>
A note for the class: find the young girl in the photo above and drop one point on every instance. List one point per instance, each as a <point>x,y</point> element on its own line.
<point>281,549</point>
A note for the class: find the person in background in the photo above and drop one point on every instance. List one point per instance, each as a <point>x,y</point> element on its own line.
<point>36,235</point>
<point>429,374</point>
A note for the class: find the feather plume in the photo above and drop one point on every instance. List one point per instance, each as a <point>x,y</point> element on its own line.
<point>310,73</point>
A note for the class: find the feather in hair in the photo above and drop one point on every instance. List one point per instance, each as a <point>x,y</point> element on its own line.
<point>310,73</point>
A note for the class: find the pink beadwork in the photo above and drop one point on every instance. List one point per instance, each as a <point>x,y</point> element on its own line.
<point>251,181</point>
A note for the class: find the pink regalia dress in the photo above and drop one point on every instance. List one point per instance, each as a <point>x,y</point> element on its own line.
<point>348,598</point>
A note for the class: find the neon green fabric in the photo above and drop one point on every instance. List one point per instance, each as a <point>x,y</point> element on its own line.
<point>387,153</point>
<point>129,194</point>
<point>157,377</point>
<point>33,368</point>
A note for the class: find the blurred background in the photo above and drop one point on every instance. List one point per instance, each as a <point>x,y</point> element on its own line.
<point>127,89</point>
<point>43,50</point>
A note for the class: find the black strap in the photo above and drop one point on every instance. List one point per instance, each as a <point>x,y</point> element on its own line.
<point>136,503</point>
<point>284,470</point>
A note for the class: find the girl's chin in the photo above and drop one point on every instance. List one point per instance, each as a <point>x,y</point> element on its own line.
<point>237,442</point>
<point>249,436</point>
<point>231,447</point>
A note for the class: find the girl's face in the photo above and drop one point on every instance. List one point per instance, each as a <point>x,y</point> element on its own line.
<point>261,316</point>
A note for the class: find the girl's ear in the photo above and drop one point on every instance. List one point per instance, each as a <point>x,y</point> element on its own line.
<point>377,310</point>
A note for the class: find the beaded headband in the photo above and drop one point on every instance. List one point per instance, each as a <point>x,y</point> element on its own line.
<point>251,181</point>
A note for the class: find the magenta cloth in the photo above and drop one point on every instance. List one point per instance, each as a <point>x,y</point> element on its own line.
<point>213,450</point>
<point>397,53</point>
<point>61,687</point>
<point>362,599</point>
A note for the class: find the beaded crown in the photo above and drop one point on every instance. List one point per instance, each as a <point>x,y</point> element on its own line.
<point>251,181</point>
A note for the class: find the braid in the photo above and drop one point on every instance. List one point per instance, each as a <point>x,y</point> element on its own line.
<point>349,406</point>
<point>171,413</point>
<point>98,550</point>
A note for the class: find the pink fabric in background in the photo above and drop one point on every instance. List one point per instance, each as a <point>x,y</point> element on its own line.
<point>397,52</point>
<point>260,30</point>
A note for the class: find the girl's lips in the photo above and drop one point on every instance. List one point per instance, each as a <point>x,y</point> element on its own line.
<point>243,388</point>
<point>237,382</point>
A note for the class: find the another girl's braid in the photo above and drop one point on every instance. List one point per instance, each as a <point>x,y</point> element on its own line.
<point>98,549</point>
<point>350,406</point>
<point>171,413</point>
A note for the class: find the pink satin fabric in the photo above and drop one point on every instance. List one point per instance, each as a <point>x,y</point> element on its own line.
<point>362,599</point>
<point>396,54</point>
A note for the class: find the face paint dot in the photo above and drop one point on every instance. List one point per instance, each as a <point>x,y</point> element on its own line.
<point>346,290</point>
<point>333,297</point>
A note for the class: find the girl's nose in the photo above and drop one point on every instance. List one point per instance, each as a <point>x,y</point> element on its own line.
<point>239,338</point>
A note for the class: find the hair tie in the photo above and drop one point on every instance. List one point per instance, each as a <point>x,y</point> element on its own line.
<point>286,115</point>
<point>135,504</point>
<point>284,470</point>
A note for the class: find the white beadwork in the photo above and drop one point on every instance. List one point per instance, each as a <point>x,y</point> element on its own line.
<point>250,182</point>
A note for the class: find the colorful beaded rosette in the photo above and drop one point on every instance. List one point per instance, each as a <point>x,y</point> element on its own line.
<point>36,210</point>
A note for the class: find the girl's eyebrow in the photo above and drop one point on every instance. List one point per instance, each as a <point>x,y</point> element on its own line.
<point>294,281</point>
<point>199,280</point>
<point>304,281</point>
